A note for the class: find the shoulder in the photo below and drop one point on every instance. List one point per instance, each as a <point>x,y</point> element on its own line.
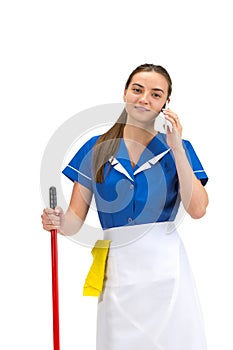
<point>83,150</point>
<point>86,146</point>
<point>90,143</point>
<point>186,143</point>
<point>79,168</point>
<point>188,146</point>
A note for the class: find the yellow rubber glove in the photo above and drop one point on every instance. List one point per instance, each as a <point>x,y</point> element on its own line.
<point>95,277</point>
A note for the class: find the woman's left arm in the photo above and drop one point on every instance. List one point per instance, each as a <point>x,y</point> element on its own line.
<point>193,195</point>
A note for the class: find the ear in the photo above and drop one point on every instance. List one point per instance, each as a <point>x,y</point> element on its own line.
<point>124,96</point>
<point>166,103</point>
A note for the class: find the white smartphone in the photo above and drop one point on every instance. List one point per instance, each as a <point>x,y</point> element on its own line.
<point>162,122</point>
<point>167,123</point>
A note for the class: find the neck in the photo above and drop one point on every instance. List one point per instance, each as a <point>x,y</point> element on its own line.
<point>136,133</point>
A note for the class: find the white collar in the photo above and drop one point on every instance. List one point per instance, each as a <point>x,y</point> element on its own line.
<point>119,167</point>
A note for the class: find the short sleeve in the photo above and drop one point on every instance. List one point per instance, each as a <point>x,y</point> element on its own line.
<point>80,167</point>
<point>195,162</point>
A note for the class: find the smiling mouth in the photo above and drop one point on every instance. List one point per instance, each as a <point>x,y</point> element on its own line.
<point>143,109</point>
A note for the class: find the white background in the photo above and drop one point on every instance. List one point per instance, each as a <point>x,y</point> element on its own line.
<point>61,57</point>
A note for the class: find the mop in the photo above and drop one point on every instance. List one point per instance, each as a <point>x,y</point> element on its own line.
<point>54,257</point>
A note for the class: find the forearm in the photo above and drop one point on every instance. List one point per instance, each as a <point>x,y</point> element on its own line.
<point>77,210</point>
<point>193,194</point>
<point>71,223</point>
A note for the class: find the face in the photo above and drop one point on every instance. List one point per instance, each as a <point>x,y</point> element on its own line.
<point>145,97</point>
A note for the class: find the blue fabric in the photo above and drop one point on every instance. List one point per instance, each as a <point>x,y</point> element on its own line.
<point>127,197</point>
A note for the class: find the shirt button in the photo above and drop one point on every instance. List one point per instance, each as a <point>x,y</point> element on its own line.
<point>130,220</point>
<point>131,186</point>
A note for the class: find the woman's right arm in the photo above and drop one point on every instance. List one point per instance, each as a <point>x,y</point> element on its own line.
<point>69,223</point>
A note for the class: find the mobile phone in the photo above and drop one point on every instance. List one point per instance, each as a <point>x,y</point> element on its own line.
<point>166,123</point>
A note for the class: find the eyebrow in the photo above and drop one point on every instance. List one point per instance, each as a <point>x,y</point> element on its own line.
<point>155,89</point>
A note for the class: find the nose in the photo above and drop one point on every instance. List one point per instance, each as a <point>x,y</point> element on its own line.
<point>144,98</point>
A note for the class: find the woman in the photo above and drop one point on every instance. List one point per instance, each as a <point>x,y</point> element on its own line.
<point>139,178</point>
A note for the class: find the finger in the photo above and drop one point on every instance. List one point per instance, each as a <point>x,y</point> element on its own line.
<point>174,119</point>
<point>172,115</point>
<point>54,219</point>
<point>51,213</point>
<point>48,211</point>
<point>48,227</point>
<point>171,120</point>
<point>51,222</point>
<point>170,112</point>
<point>59,211</point>
<point>50,218</point>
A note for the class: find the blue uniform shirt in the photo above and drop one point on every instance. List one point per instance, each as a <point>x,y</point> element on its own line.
<point>147,193</point>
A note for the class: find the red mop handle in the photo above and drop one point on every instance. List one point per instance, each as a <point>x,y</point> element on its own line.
<point>54,257</point>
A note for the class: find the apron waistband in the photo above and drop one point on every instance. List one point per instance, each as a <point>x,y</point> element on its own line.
<point>124,235</point>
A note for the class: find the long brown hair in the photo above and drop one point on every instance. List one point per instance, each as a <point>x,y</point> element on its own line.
<point>108,143</point>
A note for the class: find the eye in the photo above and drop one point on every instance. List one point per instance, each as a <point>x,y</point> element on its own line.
<point>156,95</point>
<point>137,90</point>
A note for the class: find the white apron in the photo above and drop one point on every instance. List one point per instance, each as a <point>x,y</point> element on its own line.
<point>149,299</point>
